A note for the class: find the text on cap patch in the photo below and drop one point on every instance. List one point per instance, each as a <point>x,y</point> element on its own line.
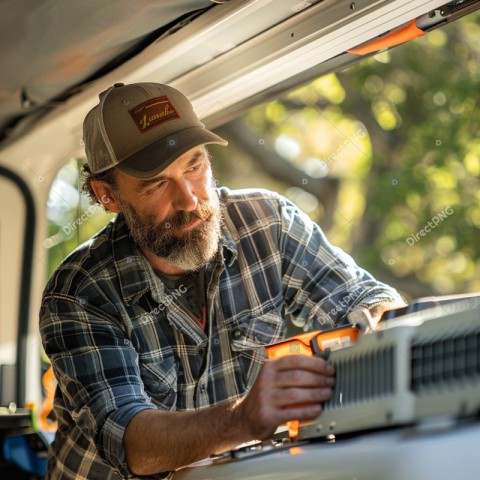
<point>153,113</point>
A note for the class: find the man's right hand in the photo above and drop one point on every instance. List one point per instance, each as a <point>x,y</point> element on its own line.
<point>288,388</point>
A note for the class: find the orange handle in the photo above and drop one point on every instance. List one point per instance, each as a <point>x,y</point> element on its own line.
<point>397,36</point>
<point>49,384</point>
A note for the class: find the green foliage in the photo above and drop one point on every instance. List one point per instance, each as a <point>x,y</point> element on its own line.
<point>399,129</point>
<point>419,104</point>
<point>426,97</point>
<point>72,218</point>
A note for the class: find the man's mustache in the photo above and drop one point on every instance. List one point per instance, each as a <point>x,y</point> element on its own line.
<point>203,212</point>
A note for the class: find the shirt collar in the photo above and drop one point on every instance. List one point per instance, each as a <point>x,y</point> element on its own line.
<point>228,246</point>
<point>227,240</point>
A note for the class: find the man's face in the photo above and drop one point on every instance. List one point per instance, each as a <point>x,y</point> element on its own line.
<point>176,215</point>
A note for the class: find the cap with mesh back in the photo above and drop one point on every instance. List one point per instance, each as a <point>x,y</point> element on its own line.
<point>142,128</point>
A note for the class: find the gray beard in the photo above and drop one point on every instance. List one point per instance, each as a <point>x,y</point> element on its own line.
<point>187,251</point>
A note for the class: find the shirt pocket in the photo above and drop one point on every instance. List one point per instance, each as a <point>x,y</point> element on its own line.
<point>251,332</point>
<point>160,382</point>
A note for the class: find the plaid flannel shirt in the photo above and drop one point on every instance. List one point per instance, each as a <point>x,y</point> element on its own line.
<point>119,343</point>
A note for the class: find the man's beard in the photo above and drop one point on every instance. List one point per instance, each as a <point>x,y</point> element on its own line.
<point>186,250</point>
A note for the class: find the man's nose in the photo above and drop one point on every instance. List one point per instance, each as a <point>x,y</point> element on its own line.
<point>184,198</point>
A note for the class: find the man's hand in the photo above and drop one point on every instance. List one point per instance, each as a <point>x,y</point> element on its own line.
<point>376,311</point>
<point>288,388</point>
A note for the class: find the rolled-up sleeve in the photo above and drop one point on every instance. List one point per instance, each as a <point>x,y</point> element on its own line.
<point>322,283</point>
<point>97,370</point>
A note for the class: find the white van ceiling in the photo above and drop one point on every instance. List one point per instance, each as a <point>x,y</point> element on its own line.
<point>50,47</point>
<point>56,55</point>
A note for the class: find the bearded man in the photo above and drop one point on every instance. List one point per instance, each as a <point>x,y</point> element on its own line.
<point>156,326</point>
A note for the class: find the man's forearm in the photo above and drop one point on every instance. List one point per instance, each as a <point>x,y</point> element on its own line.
<point>157,441</point>
<point>287,388</point>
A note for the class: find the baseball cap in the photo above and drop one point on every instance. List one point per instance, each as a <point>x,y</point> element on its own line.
<point>142,128</point>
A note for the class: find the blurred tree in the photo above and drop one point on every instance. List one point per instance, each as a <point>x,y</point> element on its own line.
<point>400,132</point>
<point>72,218</point>
<point>420,104</point>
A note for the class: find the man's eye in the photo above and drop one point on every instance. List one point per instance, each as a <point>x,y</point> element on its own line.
<point>197,168</point>
<point>158,186</point>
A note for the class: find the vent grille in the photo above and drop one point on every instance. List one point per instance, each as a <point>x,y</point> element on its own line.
<point>362,378</point>
<point>441,362</point>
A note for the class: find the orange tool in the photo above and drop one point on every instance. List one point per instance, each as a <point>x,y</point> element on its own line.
<point>318,343</point>
<point>49,384</point>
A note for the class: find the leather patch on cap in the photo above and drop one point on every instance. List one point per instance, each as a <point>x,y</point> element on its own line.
<point>153,113</point>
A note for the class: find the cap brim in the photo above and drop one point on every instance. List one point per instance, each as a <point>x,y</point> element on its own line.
<point>150,161</point>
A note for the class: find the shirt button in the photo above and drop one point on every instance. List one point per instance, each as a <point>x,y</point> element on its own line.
<point>202,388</point>
<point>237,333</point>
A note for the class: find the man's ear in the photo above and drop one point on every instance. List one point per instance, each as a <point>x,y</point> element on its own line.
<point>106,196</point>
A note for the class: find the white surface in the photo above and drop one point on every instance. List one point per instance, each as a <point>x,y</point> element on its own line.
<point>392,455</point>
<point>12,213</point>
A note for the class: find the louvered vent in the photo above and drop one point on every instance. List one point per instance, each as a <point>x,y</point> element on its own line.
<point>362,378</point>
<point>440,363</point>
